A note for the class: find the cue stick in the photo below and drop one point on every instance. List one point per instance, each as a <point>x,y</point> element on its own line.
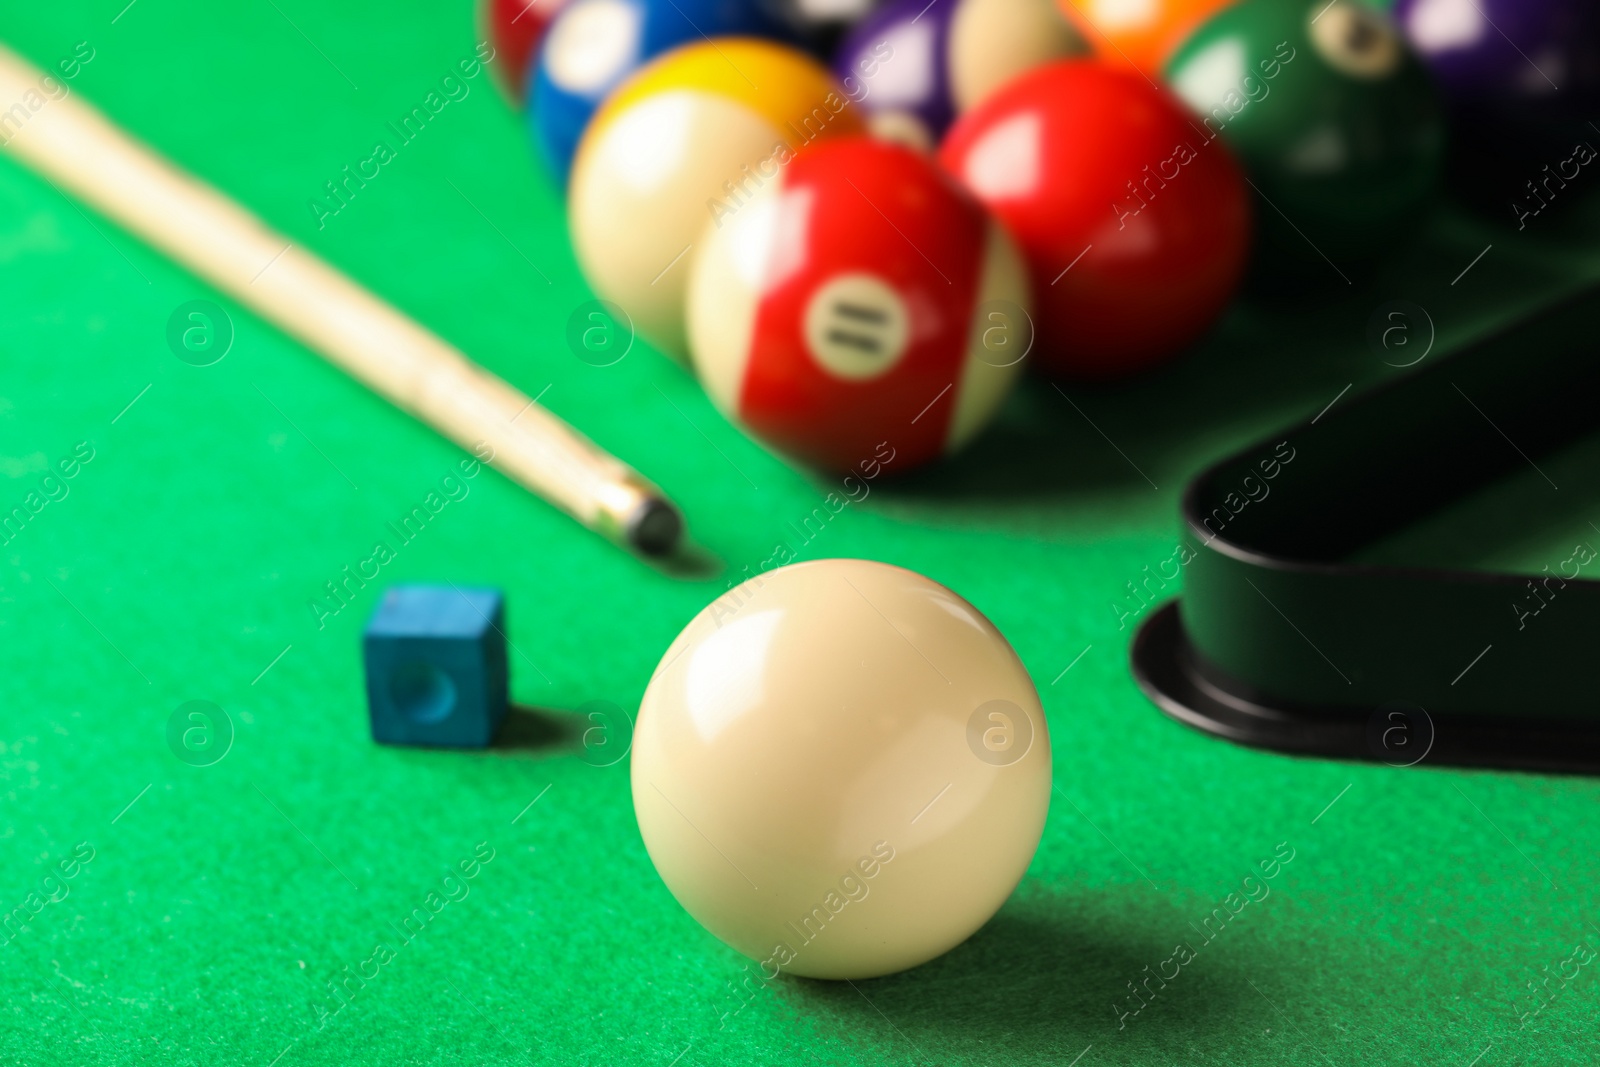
<point>72,144</point>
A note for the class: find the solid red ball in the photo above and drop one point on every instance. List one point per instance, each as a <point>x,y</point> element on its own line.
<point>1134,221</point>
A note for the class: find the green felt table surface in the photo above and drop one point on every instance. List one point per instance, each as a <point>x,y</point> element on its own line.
<point>1420,919</point>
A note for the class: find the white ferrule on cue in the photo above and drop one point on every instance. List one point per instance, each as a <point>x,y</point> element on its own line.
<point>81,151</point>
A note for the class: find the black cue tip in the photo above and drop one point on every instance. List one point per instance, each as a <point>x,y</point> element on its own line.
<point>655,528</point>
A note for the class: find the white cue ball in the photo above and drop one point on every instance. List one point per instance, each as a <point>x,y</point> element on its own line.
<point>841,769</point>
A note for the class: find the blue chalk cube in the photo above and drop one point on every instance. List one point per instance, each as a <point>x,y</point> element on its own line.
<point>436,666</point>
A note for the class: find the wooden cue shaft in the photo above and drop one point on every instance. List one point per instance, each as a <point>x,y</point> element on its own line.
<point>77,147</point>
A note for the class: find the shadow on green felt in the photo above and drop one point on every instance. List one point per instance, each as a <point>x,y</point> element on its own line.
<point>1076,439</point>
<point>1051,984</point>
<point>1274,361</point>
<point>540,731</point>
<point>690,563</point>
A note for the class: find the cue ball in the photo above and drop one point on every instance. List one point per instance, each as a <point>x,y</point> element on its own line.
<point>841,769</point>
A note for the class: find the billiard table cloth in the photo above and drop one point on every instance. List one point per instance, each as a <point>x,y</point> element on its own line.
<point>313,898</point>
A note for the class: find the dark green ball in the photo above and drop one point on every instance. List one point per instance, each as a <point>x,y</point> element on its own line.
<point>1335,120</point>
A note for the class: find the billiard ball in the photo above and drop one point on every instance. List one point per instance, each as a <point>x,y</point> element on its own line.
<point>1335,121</point>
<point>1521,82</point>
<point>593,45</point>
<point>821,23</point>
<point>514,29</point>
<point>1520,58</point>
<point>670,145</point>
<point>854,300</point>
<point>840,769</point>
<point>914,67</point>
<point>1140,35</point>
<point>1520,112</point>
<point>1135,227</point>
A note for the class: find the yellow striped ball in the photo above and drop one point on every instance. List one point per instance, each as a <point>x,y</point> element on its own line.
<point>686,140</point>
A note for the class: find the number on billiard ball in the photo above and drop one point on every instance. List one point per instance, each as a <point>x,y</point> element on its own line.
<point>856,327</point>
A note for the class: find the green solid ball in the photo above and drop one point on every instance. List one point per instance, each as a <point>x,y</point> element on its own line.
<point>1335,120</point>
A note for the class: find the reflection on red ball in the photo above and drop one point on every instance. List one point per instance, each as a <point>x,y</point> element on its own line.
<point>854,302</point>
<point>515,28</point>
<point>1135,223</point>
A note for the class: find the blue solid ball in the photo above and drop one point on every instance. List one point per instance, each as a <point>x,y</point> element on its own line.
<point>593,45</point>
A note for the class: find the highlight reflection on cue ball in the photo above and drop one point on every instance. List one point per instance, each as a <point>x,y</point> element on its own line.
<point>841,769</point>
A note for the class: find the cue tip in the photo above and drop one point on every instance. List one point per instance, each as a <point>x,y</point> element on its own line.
<point>655,528</point>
